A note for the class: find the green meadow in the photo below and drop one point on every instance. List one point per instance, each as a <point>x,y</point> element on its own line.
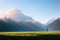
<point>28,33</point>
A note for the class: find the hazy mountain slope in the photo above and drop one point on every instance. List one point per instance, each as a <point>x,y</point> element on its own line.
<point>33,27</point>
<point>15,20</point>
<point>9,25</point>
<point>54,26</point>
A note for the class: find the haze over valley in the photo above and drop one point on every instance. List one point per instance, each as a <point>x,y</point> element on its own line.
<point>17,21</point>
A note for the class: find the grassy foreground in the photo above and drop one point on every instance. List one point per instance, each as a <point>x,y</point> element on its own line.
<point>28,33</point>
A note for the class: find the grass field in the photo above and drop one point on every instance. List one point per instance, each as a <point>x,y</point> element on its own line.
<point>28,33</point>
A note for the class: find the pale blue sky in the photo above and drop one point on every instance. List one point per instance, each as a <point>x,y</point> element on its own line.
<point>40,10</point>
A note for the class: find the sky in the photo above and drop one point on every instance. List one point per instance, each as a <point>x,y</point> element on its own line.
<point>39,10</point>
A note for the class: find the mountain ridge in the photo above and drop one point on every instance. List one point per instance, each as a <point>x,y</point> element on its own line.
<point>55,25</point>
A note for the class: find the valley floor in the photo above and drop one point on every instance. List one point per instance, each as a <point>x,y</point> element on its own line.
<point>28,33</point>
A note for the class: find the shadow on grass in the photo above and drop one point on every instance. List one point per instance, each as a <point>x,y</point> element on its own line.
<point>43,37</point>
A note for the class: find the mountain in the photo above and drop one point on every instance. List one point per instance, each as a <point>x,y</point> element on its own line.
<point>54,25</point>
<point>15,20</point>
<point>17,15</point>
<point>12,26</point>
<point>32,26</point>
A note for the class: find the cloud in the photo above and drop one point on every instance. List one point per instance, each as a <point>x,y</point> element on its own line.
<point>15,14</point>
<point>2,15</point>
<point>11,12</point>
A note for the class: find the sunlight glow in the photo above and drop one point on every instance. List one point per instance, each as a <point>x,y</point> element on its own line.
<point>9,13</point>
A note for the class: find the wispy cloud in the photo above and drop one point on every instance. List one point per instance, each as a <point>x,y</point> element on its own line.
<point>15,14</point>
<point>9,13</point>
